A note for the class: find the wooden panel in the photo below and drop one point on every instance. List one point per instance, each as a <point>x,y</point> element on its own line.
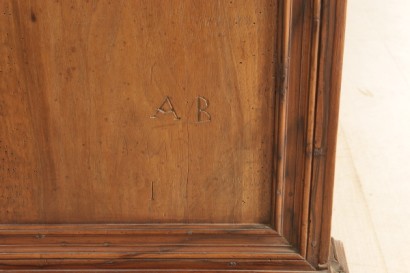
<point>206,128</point>
<point>80,85</point>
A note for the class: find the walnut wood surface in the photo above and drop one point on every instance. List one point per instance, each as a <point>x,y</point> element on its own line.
<point>168,135</point>
<point>80,81</point>
<point>146,246</point>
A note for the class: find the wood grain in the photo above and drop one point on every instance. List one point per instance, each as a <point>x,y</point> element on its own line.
<point>146,246</point>
<point>168,136</point>
<point>338,257</point>
<point>81,80</point>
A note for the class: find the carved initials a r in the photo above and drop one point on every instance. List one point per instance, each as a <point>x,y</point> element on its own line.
<point>202,115</point>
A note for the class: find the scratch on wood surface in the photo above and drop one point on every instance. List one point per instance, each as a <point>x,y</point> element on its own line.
<point>152,190</point>
<point>152,71</point>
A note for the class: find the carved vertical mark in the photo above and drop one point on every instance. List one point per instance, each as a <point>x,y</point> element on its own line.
<point>168,110</point>
<point>201,107</point>
<point>33,17</point>
<point>152,190</point>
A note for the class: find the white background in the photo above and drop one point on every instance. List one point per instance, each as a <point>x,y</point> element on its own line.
<point>372,208</point>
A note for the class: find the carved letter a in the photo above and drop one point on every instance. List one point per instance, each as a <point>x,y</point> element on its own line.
<point>162,110</point>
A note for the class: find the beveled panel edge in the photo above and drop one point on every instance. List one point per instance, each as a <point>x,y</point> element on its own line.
<point>282,84</point>
<point>136,228</point>
<point>159,270</point>
<point>200,247</point>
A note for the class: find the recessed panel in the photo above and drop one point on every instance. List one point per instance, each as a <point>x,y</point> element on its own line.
<point>136,111</point>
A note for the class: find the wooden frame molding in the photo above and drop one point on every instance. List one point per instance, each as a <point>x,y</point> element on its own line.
<point>309,49</point>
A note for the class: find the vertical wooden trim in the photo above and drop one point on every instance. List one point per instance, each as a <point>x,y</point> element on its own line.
<point>310,124</point>
<point>333,18</point>
<point>282,93</point>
